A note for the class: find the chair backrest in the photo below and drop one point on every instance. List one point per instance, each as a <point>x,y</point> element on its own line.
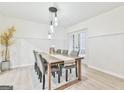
<point>51,50</point>
<point>74,53</point>
<point>34,52</point>
<point>65,52</point>
<point>58,51</point>
<point>41,63</point>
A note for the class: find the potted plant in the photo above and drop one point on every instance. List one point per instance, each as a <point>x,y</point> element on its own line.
<point>6,39</point>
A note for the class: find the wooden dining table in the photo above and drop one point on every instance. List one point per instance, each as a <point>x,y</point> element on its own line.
<point>52,59</point>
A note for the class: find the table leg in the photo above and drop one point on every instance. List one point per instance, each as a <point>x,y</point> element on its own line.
<point>79,69</point>
<point>49,76</point>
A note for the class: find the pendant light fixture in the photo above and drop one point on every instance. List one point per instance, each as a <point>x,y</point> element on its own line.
<point>53,20</point>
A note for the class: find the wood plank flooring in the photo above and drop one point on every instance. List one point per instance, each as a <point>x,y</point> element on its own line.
<point>25,78</point>
<point>99,81</point>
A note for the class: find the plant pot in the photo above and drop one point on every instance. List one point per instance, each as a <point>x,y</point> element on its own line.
<point>5,65</point>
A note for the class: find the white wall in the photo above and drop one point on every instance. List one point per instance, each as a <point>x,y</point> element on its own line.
<point>105,41</point>
<point>29,36</point>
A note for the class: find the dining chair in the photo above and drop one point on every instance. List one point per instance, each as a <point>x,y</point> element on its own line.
<point>74,53</point>
<point>35,63</point>
<point>43,69</point>
<point>65,52</point>
<point>58,51</point>
<point>71,65</point>
<point>51,50</point>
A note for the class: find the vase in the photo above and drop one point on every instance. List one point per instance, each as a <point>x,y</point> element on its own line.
<point>5,65</point>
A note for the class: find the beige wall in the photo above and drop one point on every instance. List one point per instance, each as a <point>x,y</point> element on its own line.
<point>29,36</point>
<point>105,41</point>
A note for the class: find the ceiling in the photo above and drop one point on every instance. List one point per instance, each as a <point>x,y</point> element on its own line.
<point>69,13</point>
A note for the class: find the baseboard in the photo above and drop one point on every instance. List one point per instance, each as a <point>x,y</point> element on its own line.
<point>107,72</point>
<point>20,66</point>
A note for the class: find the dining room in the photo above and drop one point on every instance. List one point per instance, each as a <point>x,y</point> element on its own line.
<point>61,45</point>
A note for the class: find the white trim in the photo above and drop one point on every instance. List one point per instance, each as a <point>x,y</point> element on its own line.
<point>78,30</point>
<point>18,37</point>
<point>105,35</point>
<point>107,72</point>
<point>18,66</point>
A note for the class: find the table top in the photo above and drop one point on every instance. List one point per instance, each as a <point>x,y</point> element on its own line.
<point>55,58</point>
<point>50,58</point>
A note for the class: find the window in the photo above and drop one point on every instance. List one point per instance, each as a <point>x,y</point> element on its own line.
<point>77,42</point>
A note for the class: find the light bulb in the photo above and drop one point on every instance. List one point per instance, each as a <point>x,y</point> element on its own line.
<point>56,21</point>
<point>49,36</point>
<point>52,45</point>
<point>56,24</point>
<point>51,28</point>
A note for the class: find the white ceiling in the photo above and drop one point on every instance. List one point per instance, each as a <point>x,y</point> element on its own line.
<point>69,13</point>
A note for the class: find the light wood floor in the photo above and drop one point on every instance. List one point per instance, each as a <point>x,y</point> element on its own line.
<point>99,81</point>
<point>22,79</point>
